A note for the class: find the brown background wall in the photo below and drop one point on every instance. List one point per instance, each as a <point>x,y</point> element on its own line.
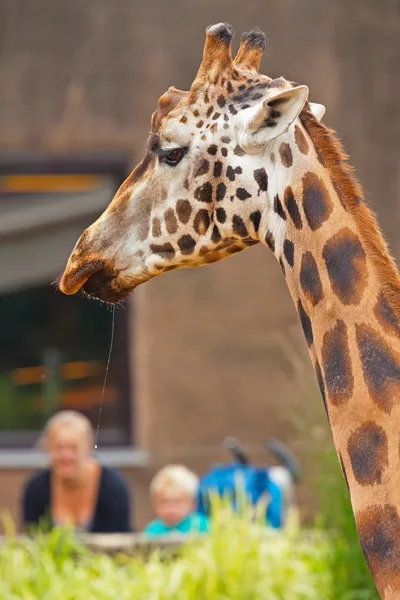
<point>216,351</point>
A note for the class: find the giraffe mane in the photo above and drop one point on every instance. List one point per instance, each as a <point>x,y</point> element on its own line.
<point>331,154</point>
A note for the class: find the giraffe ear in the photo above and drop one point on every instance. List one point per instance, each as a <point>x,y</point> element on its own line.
<point>318,110</point>
<point>272,117</point>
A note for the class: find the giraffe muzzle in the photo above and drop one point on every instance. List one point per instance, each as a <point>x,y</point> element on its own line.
<point>73,280</point>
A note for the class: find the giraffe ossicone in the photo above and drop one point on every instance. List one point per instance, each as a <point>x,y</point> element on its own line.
<point>239,159</point>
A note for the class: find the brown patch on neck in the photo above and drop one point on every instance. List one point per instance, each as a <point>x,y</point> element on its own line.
<point>332,156</point>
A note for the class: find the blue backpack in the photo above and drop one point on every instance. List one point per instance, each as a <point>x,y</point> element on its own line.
<point>255,481</point>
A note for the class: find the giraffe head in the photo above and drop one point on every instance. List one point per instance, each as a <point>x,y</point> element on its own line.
<point>203,189</point>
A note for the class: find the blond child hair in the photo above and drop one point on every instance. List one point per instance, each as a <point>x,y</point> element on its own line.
<point>175,477</point>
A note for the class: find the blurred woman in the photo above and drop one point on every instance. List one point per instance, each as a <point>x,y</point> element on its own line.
<point>75,490</point>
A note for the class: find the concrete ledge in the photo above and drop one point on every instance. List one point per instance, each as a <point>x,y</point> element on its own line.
<point>132,543</point>
<point>35,459</point>
<point>122,543</point>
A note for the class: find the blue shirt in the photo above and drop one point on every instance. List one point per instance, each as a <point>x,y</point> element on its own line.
<point>194,522</point>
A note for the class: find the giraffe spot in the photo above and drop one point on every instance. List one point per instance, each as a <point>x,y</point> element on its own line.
<point>239,227</point>
<point>300,140</point>
<point>309,279</point>
<point>199,124</point>
<point>321,384</point>
<point>255,218</point>
<point>144,165</point>
<point>231,173</point>
<point>261,177</point>
<point>226,118</point>
<point>209,111</point>
<point>288,251</point>
<point>232,109</point>
<point>183,119</point>
<point>317,203</point>
<point>234,249</point>
<point>156,227</point>
<point>217,168</point>
<point>216,236</point>
<point>224,152</point>
<point>201,221</point>
<point>196,112</point>
<point>221,101</point>
<point>202,168</point>
<point>379,533</point>
<point>282,266</point>
<point>368,452</point>
<point>221,191</point>
<point>344,470</point>
<point>381,367</point>
<point>292,208</point>
<point>270,240</point>
<point>216,116</point>
<point>186,244</point>
<point>171,222</point>
<point>286,155</point>
<point>204,192</point>
<point>213,149</point>
<point>278,208</point>
<point>238,151</point>
<point>272,157</point>
<point>242,194</point>
<point>183,210</point>
<point>242,87</point>
<point>386,315</point>
<point>225,139</point>
<point>336,362</point>
<point>221,215</point>
<point>305,323</point>
<point>166,251</point>
<point>347,266</point>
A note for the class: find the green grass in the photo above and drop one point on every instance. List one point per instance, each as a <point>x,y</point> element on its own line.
<point>238,560</point>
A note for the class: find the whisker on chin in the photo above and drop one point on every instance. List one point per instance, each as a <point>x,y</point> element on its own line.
<point>56,282</point>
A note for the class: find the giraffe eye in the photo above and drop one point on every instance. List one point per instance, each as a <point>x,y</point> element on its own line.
<point>172,156</point>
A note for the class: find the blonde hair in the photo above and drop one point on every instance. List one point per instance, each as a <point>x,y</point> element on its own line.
<point>67,418</point>
<point>175,476</point>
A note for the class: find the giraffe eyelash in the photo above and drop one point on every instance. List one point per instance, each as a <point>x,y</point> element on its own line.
<point>172,156</point>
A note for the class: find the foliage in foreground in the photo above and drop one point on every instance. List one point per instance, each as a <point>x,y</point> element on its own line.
<point>238,560</point>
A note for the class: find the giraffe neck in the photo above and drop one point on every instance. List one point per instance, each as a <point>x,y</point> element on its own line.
<point>347,293</point>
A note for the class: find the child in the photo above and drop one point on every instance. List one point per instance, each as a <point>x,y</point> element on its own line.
<point>174,493</point>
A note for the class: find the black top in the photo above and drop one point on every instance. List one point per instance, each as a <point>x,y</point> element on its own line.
<point>112,510</point>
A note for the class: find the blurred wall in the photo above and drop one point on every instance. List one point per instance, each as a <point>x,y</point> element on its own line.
<point>216,351</point>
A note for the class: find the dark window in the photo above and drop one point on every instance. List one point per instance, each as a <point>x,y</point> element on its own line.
<point>53,355</point>
<point>54,348</point>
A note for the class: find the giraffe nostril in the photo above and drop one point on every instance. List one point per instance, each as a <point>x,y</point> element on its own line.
<point>72,281</point>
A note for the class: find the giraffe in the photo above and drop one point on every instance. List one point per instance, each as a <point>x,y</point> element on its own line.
<point>242,159</point>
